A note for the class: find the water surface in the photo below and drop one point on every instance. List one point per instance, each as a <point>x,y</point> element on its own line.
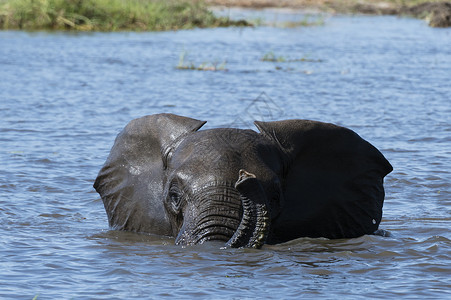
<point>64,97</point>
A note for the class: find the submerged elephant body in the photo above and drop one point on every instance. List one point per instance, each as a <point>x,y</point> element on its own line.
<point>296,178</point>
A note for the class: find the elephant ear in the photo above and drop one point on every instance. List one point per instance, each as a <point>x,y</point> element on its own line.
<point>333,180</point>
<point>131,180</point>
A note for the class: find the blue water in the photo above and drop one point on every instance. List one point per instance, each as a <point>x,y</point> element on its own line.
<point>65,96</point>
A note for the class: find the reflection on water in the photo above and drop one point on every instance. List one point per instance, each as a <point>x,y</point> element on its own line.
<point>65,97</point>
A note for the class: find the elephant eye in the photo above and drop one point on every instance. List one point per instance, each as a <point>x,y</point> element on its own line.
<point>174,197</point>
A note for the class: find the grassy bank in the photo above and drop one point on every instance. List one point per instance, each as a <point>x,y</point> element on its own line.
<point>145,15</point>
<point>107,15</point>
<point>348,6</point>
<point>436,12</point>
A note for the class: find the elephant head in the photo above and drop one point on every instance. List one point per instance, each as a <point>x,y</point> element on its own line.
<point>295,178</point>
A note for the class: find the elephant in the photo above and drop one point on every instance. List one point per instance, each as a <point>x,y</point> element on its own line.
<point>294,178</point>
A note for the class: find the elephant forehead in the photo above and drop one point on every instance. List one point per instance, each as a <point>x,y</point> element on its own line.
<point>213,151</point>
<point>195,175</point>
<point>219,154</point>
<point>209,166</point>
<point>221,140</point>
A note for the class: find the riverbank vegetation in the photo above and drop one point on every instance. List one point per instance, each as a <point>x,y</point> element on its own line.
<point>436,12</point>
<point>339,6</point>
<point>146,15</point>
<point>108,15</point>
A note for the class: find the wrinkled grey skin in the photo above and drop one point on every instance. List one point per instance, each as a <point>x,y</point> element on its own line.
<point>296,178</point>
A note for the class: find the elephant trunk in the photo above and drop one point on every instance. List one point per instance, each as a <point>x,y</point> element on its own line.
<point>254,227</point>
<point>215,217</point>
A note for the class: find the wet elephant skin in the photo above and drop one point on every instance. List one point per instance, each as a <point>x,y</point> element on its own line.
<point>293,178</point>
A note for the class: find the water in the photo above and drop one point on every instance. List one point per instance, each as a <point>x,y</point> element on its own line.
<point>64,97</point>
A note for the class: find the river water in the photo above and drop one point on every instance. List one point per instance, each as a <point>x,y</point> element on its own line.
<point>64,97</point>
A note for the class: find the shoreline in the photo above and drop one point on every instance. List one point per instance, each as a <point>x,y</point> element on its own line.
<point>158,15</point>
<point>437,13</point>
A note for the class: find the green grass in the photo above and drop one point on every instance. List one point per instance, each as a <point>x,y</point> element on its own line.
<point>107,15</point>
<point>271,57</point>
<point>205,66</point>
<point>307,21</point>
